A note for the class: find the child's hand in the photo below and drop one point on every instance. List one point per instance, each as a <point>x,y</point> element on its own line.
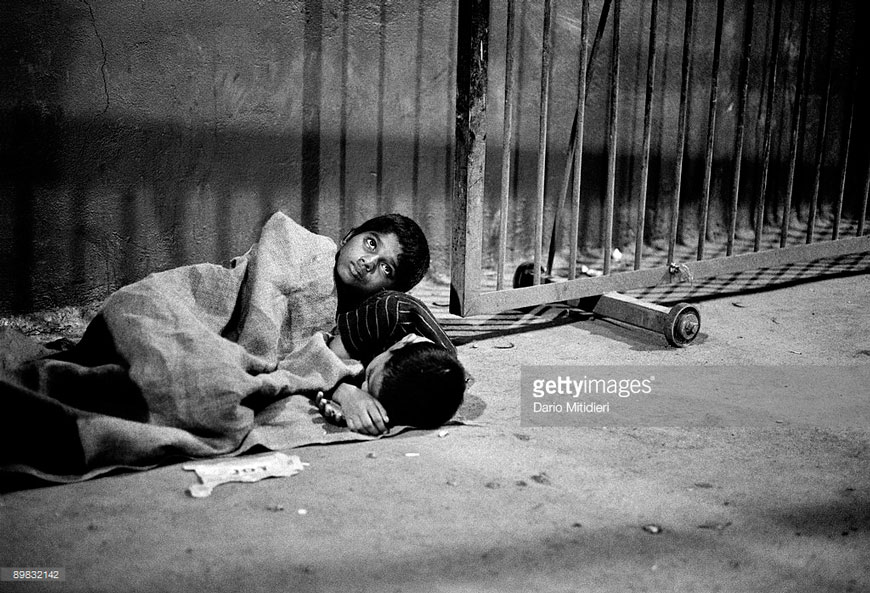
<point>362,412</point>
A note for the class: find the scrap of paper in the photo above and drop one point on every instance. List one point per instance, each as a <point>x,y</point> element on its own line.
<point>251,468</point>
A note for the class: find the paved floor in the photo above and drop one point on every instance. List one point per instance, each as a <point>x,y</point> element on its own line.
<point>779,501</point>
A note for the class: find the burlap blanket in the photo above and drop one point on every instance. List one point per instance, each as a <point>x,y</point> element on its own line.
<point>197,361</point>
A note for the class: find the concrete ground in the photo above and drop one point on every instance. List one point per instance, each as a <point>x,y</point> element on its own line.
<point>781,504</point>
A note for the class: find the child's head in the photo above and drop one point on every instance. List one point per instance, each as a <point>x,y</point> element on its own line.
<point>418,382</point>
<point>386,252</point>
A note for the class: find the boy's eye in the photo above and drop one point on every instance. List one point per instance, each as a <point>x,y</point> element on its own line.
<point>371,243</point>
<point>388,271</point>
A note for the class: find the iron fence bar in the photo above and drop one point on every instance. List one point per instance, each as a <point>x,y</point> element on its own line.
<point>560,291</point>
<point>688,29</point>
<point>578,154</point>
<point>741,125</point>
<point>823,126</point>
<point>647,135</point>
<point>599,33</point>
<point>844,167</point>
<point>574,138</point>
<point>856,72</point>
<point>711,129</point>
<point>612,140</point>
<point>472,54</point>
<point>542,142</point>
<point>768,126</point>
<point>798,111</point>
<point>860,231</point>
<point>507,141</point>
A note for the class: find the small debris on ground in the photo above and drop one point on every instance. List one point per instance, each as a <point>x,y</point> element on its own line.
<point>275,508</point>
<point>412,455</point>
<point>443,433</point>
<point>542,478</point>
<point>302,511</point>
<point>715,526</point>
<point>653,528</point>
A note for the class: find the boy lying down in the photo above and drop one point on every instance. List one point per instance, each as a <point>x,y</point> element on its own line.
<point>172,362</point>
<point>412,374</point>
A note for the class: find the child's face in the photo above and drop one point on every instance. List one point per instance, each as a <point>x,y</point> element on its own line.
<point>368,262</point>
<point>375,369</point>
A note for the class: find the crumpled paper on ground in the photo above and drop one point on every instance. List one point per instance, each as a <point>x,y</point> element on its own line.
<point>250,468</point>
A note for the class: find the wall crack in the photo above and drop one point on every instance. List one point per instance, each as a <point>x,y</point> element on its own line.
<point>103,51</point>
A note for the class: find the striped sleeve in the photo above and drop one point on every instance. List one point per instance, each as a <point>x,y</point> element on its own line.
<point>367,329</point>
<point>382,320</point>
<point>415,317</point>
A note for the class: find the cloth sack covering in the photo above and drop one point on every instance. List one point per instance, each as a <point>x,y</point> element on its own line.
<point>184,363</point>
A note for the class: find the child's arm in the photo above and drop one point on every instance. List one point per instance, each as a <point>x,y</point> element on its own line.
<point>362,412</point>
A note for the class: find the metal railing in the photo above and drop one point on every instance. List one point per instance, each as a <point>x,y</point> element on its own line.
<point>770,246</point>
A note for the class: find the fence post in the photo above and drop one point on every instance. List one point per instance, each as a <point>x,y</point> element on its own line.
<point>472,54</point>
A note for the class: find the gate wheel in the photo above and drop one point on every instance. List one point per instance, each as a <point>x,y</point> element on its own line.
<point>683,325</point>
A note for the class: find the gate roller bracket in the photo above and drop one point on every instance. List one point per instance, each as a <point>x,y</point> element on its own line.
<point>525,275</point>
<point>680,324</point>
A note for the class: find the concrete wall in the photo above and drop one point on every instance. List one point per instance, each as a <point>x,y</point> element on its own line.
<point>141,135</point>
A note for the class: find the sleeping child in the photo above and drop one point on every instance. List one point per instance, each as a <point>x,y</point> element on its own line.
<point>412,374</point>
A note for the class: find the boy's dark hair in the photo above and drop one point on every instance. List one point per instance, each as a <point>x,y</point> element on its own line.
<point>423,385</point>
<point>414,259</point>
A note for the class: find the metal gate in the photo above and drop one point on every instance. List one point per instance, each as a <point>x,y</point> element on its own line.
<point>477,291</point>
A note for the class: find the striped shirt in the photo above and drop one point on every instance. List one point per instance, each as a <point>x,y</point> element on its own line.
<point>382,320</point>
